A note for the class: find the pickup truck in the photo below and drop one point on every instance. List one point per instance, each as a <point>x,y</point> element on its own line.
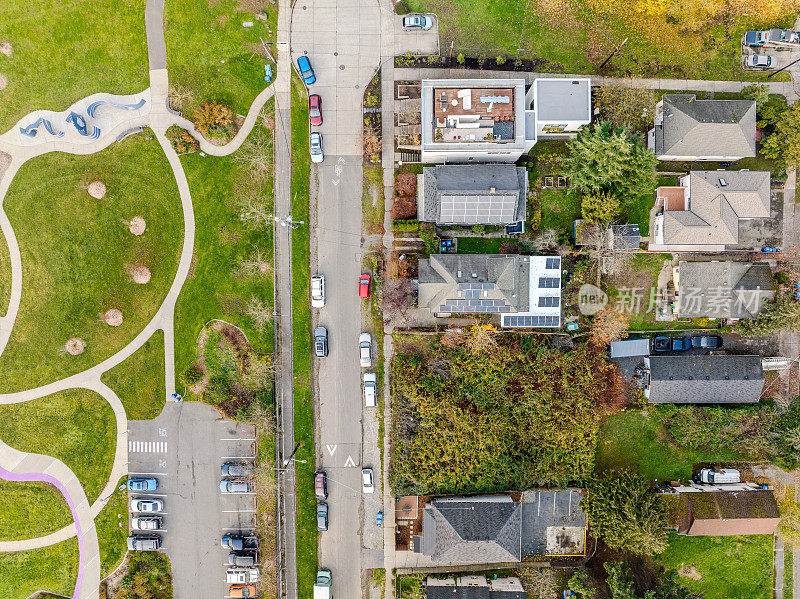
<point>323,586</point>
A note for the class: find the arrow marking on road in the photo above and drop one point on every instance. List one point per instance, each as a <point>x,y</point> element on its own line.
<point>331,449</point>
<point>349,462</point>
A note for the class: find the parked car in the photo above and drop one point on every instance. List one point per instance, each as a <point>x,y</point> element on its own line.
<point>306,72</point>
<point>146,505</point>
<point>235,486</point>
<point>379,519</point>
<point>241,559</point>
<point>681,343</point>
<point>322,516</point>
<point>758,61</point>
<point>755,39</point>
<point>146,523</point>
<point>321,484</point>
<point>144,542</point>
<point>707,341</point>
<point>240,575</point>
<point>365,347</point>
<point>232,542</point>
<point>242,590</point>
<point>367,484</point>
<point>779,38</point>
<point>320,342</point>
<point>718,476</point>
<point>661,343</point>
<point>415,22</point>
<point>232,469</point>
<point>770,249</point>
<point>370,389</point>
<point>315,147</point>
<point>315,109</point>
<point>317,291</point>
<point>142,484</point>
<point>323,585</point>
<point>363,286</point>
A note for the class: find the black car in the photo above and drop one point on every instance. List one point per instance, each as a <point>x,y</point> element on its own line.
<point>707,341</point>
<point>320,342</point>
<point>661,344</point>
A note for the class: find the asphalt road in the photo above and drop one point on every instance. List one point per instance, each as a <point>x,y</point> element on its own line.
<point>184,448</point>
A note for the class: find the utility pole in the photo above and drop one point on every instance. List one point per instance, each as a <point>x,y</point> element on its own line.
<point>286,221</point>
<point>783,68</point>
<point>616,50</point>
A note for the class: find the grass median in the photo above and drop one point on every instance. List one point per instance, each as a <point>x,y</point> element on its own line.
<point>31,509</point>
<point>112,530</point>
<point>5,275</point>
<point>53,568</point>
<point>139,380</point>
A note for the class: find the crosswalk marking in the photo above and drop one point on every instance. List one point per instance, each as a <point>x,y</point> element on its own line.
<point>147,447</point>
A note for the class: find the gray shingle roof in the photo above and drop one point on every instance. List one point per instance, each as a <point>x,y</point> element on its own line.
<point>697,128</point>
<point>705,379</point>
<point>462,194</point>
<point>723,289</point>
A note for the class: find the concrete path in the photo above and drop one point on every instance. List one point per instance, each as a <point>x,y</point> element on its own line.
<point>154,29</point>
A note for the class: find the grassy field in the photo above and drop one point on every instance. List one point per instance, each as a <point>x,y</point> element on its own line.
<point>30,510</point>
<point>5,276</point>
<point>52,568</point>
<point>112,531</point>
<point>301,313</point>
<point>576,37</point>
<point>737,566</point>
<point>75,61</point>
<point>139,380</point>
<point>631,439</point>
<point>76,426</point>
<point>559,209</point>
<point>479,245</point>
<point>214,289</point>
<point>77,252</point>
<point>211,56</point>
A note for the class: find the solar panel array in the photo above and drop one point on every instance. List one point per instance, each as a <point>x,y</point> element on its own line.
<point>459,306</point>
<point>549,302</point>
<point>531,321</point>
<point>463,286</point>
<point>553,263</point>
<point>549,283</point>
<point>476,208</point>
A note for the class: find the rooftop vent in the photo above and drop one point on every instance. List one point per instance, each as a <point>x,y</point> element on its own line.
<point>722,182</point>
<point>474,275</point>
<point>492,189</point>
<point>458,273</point>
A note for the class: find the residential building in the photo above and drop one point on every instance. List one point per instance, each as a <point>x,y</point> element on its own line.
<point>690,129</point>
<point>458,194</point>
<point>728,290</point>
<point>703,379</point>
<point>495,120</point>
<point>495,529</point>
<point>474,587</point>
<point>704,212</point>
<point>721,510</point>
<point>525,291</point>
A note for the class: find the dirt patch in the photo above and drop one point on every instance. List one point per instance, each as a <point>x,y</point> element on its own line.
<point>6,48</point>
<point>3,81</point>
<point>689,572</point>
<point>136,225</point>
<point>406,185</point>
<point>138,274</point>
<point>112,317</point>
<point>5,162</point>
<point>97,189</point>
<point>75,346</point>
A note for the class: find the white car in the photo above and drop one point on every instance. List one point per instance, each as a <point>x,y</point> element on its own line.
<point>315,147</point>
<point>240,575</point>
<point>317,291</point>
<point>147,505</point>
<point>370,389</point>
<point>367,484</point>
<point>758,61</point>
<point>365,345</point>
<point>151,523</point>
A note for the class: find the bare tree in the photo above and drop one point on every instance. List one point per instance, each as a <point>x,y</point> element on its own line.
<point>180,97</point>
<point>609,325</point>
<point>398,294</point>
<point>481,339</point>
<point>546,240</point>
<point>254,212</point>
<point>259,313</point>
<point>259,373</point>
<point>255,265</point>
<point>452,338</point>
<point>256,154</point>
<point>599,244</point>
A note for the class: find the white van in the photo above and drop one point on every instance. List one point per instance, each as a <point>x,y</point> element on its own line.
<point>240,575</point>
<point>323,587</point>
<point>719,476</point>
<point>370,389</point>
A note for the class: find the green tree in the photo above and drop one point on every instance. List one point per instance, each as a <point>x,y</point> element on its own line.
<point>581,585</point>
<point>624,510</point>
<point>783,313</point>
<point>599,206</point>
<point>758,92</point>
<point>783,145</point>
<point>621,583</point>
<point>611,160</point>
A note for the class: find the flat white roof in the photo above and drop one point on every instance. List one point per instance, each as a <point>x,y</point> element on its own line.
<point>544,307</point>
<point>560,100</point>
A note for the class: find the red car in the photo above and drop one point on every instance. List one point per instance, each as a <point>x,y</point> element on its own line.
<point>363,286</point>
<point>315,109</point>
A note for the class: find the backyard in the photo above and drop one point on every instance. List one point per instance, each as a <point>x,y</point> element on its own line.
<point>79,256</point>
<point>52,568</point>
<point>53,75</point>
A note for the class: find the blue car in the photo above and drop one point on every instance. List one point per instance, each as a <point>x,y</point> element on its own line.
<point>681,343</point>
<point>305,70</point>
<point>142,484</point>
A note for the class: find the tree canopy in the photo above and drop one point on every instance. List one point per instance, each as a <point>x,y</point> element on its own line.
<point>783,313</point>
<point>783,145</point>
<point>599,206</point>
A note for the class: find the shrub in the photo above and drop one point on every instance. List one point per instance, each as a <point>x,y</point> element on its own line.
<point>460,58</point>
<point>181,140</point>
<point>427,232</point>
<point>401,8</point>
<point>500,60</point>
<point>408,224</point>
<point>193,374</point>
<point>213,119</point>
<point>479,228</point>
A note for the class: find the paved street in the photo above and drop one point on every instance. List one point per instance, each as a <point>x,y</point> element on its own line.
<point>184,448</point>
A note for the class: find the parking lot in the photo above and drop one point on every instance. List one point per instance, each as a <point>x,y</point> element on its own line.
<point>184,448</point>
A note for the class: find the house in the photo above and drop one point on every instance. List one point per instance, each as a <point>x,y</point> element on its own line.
<point>690,129</point>
<point>729,290</point>
<point>495,529</point>
<point>704,212</point>
<point>719,510</point>
<point>525,291</point>
<point>701,379</point>
<point>487,194</point>
<point>495,120</point>
<point>474,587</point>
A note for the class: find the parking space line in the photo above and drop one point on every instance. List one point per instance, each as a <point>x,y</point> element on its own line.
<point>237,457</point>
<point>238,439</point>
<point>148,496</point>
<point>147,474</point>
<point>239,494</point>
<point>237,511</point>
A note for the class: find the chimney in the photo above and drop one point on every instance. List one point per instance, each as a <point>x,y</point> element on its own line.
<point>492,189</point>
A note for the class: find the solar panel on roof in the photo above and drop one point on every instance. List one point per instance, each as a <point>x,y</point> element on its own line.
<point>548,283</point>
<point>549,302</point>
<point>553,263</point>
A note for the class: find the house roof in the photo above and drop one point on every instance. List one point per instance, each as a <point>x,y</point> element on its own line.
<point>702,379</point>
<point>471,194</point>
<point>473,529</point>
<point>723,289</point>
<point>750,512</point>
<point>716,201</point>
<point>559,100</point>
<point>697,128</point>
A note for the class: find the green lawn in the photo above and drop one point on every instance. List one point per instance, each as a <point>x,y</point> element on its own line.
<point>559,209</point>
<point>479,245</point>
<point>788,572</point>
<point>5,275</point>
<point>212,56</point>
<point>82,54</point>
<point>575,37</point>
<point>213,289</point>
<point>75,252</point>
<point>52,568</point>
<point>139,380</point>
<point>301,313</point>
<point>737,566</point>
<point>112,530</point>
<point>76,426</point>
<point>30,510</point>
<point>631,439</point>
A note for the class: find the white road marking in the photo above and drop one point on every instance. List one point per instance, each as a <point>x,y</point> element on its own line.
<point>331,449</point>
<point>135,474</point>
<point>237,457</point>
<point>147,447</point>
<point>237,511</point>
<point>349,462</point>
<point>238,439</point>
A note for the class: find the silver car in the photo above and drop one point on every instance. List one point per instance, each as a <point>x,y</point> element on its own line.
<point>758,61</point>
<point>414,22</point>
<point>144,543</point>
<point>317,291</point>
<point>147,505</point>
<point>232,486</point>
<point>370,389</point>
<point>151,523</point>
<point>365,347</point>
<point>315,147</point>
<point>367,483</point>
